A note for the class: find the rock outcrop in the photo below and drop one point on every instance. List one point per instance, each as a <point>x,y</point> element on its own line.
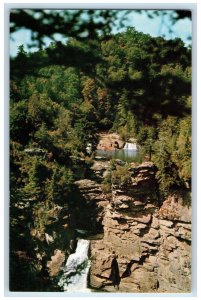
<point>90,203</point>
<point>152,239</point>
<point>99,169</point>
<point>56,262</point>
<point>110,141</point>
<point>174,255</point>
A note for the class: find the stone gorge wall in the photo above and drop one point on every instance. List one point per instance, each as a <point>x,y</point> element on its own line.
<point>152,240</point>
<point>174,256</point>
<point>110,141</point>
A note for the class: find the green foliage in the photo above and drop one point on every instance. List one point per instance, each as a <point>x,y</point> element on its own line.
<point>60,84</point>
<point>152,72</point>
<point>89,91</point>
<point>117,174</point>
<point>60,184</point>
<point>172,152</point>
<point>121,175</point>
<point>182,154</point>
<point>20,123</point>
<point>107,182</point>
<point>167,174</point>
<point>41,109</point>
<point>125,123</point>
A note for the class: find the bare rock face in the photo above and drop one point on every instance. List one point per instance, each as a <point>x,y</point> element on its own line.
<point>56,262</point>
<point>91,203</point>
<point>110,141</point>
<point>100,168</point>
<point>177,207</point>
<point>174,256</point>
<point>152,241</point>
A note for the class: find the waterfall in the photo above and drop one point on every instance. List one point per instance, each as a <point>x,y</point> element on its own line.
<point>76,269</point>
<point>130,146</point>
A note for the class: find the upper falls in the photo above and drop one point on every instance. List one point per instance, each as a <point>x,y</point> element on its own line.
<point>130,146</point>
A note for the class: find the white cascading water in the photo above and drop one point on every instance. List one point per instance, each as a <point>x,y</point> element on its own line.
<point>76,269</point>
<point>130,146</point>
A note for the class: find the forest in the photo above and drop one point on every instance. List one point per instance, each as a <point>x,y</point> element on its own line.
<point>61,98</point>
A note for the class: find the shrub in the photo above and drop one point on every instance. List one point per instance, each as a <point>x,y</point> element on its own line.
<point>121,175</point>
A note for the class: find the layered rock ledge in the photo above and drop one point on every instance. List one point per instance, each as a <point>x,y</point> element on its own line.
<point>152,239</point>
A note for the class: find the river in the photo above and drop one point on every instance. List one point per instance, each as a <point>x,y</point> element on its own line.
<point>128,155</point>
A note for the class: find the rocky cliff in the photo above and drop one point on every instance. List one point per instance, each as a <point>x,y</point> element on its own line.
<point>110,141</point>
<point>152,239</point>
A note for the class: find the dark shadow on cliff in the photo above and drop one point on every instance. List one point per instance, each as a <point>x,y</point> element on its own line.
<point>127,272</point>
<point>85,213</point>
